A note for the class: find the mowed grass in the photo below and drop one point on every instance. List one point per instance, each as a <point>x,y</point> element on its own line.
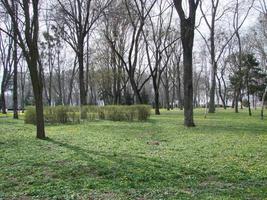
<point>223,157</point>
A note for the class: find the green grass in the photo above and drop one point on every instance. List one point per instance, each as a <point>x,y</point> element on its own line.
<point>224,157</point>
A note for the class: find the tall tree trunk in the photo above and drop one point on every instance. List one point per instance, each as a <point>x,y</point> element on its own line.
<point>249,107</point>
<point>213,87</point>
<point>39,112</point>
<point>220,93</point>
<point>173,95</point>
<point>119,84</point>
<point>187,26</point>
<point>157,112</point>
<point>22,84</point>
<point>188,86</point>
<point>234,99</point>
<point>81,75</point>
<point>38,95</point>
<point>136,91</point>
<point>179,92</point>
<point>15,78</point>
<point>167,90</point>
<point>237,100</point>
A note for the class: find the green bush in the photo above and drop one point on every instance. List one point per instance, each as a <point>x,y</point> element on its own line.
<point>143,111</point>
<point>124,113</point>
<point>30,115</point>
<point>89,112</point>
<point>61,114</point>
<point>115,113</point>
<point>49,114</point>
<point>101,113</point>
<point>74,115</point>
<point>68,114</point>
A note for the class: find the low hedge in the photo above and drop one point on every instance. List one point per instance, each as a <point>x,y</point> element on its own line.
<point>75,114</point>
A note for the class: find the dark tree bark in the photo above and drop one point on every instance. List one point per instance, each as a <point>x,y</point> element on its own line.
<point>187,25</point>
<point>179,82</point>
<point>15,74</point>
<point>3,101</point>
<point>29,46</point>
<point>220,92</point>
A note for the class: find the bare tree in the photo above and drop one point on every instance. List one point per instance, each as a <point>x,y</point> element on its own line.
<point>137,16</point>
<point>15,69</point>
<point>76,19</point>
<point>187,25</point>
<point>158,40</point>
<point>214,42</point>
<point>28,21</point>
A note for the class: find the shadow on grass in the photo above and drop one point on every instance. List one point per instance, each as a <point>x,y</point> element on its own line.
<point>123,171</point>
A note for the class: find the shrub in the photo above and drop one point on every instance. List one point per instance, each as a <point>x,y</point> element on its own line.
<point>30,115</point>
<point>67,114</point>
<point>124,113</point>
<point>73,115</point>
<point>115,113</point>
<point>61,114</point>
<point>49,114</point>
<point>101,113</point>
<point>89,112</point>
<point>143,112</point>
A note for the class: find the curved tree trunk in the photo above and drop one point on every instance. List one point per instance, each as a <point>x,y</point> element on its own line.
<point>213,88</point>
<point>220,92</point>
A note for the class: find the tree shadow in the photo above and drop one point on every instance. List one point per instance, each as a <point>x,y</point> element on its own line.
<point>112,170</point>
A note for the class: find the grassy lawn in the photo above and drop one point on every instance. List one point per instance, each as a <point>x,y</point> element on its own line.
<point>224,157</point>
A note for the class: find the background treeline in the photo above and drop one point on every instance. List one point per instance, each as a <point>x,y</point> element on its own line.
<point>124,52</point>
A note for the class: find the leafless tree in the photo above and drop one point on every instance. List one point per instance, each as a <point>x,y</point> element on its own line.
<point>187,25</point>
<point>76,19</point>
<point>28,21</point>
<point>137,12</point>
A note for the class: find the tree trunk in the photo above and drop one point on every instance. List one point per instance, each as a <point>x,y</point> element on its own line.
<point>237,100</point>
<point>188,88</point>
<point>220,93</point>
<point>15,79</point>
<point>233,102</point>
<point>213,87</point>
<point>249,107</point>
<point>167,91</point>
<point>157,112</point>
<point>39,113</point>
<point>136,91</point>
<point>81,77</point>
<point>187,26</point>
<point>262,104</point>
<point>179,92</point>
<point>3,101</point>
